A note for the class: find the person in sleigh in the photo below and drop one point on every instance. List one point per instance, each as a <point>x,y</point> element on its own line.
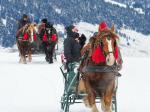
<point>71,45</point>
<point>21,23</point>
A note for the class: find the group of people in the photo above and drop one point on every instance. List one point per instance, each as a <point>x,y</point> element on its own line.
<point>73,44</point>
<point>48,35</point>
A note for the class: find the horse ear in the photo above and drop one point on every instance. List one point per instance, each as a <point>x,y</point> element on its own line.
<point>113,28</point>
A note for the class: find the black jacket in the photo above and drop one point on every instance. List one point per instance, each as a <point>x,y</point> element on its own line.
<point>71,47</point>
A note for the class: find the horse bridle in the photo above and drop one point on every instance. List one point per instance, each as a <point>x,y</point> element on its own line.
<point>102,45</point>
<point>29,32</point>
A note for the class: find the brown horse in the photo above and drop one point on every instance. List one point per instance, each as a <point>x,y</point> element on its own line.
<point>24,41</point>
<point>97,81</point>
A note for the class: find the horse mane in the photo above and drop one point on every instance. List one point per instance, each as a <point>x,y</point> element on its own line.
<point>106,32</point>
<point>95,40</point>
<point>26,27</point>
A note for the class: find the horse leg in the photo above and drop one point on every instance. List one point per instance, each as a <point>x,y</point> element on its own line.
<point>94,108</point>
<point>24,60</point>
<point>108,99</point>
<point>21,56</point>
<point>51,51</point>
<point>21,59</point>
<point>89,100</point>
<point>24,55</point>
<point>102,104</point>
<point>19,49</point>
<point>108,102</point>
<point>29,54</point>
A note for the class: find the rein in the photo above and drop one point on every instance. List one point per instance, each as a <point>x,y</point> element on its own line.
<point>100,69</point>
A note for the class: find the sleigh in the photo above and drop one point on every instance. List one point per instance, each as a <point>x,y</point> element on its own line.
<point>72,94</point>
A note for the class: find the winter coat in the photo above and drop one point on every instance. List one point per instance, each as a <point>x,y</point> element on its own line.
<point>72,47</point>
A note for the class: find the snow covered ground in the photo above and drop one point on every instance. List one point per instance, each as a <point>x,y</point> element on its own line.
<point>38,86</point>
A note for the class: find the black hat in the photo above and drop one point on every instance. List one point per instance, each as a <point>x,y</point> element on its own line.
<point>44,20</point>
<point>69,28</point>
<point>49,25</point>
<point>24,16</point>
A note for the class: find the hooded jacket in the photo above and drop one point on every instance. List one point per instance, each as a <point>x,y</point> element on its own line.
<point>71,46</point>
<point>22,22</point>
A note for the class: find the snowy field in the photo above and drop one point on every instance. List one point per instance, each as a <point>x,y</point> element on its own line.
<point>38,86</point>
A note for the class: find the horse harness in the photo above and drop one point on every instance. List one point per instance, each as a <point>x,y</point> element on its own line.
<point>104,69</point>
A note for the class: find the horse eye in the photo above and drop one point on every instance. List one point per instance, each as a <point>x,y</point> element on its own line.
<point>101,43</point>
<point>108,37</point>
<point>115,43</point>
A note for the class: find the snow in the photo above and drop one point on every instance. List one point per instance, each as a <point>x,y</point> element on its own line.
<point>133,92</point>
<point>116,3</point>
<point>139,10</point>
<point>86,28</point>
<point>139,43</point>
<point>58,10</point>
<point>25,3</point>
<point>60,28</point>
<point>35,87</point>
<point>38,86</point>
<point>4,21</point>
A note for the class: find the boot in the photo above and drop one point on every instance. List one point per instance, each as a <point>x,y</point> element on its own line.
<point>47,59</point>
<point>51,60</point>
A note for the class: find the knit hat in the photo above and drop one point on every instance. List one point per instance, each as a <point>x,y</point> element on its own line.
<point>44,20</point>
<point>69,28</point>
<point>102,26</point>
<point>24,16</point>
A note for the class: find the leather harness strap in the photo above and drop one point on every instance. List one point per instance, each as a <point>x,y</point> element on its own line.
<point>105,69</point>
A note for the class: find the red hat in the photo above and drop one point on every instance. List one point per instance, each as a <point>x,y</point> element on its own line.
<point>102,26</point>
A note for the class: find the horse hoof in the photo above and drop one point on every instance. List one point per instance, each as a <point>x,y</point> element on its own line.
<point>86,102</point>
<point>24,62</point>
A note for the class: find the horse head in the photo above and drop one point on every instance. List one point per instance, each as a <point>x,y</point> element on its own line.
<point>31,30</point>
<point>107,42</point>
